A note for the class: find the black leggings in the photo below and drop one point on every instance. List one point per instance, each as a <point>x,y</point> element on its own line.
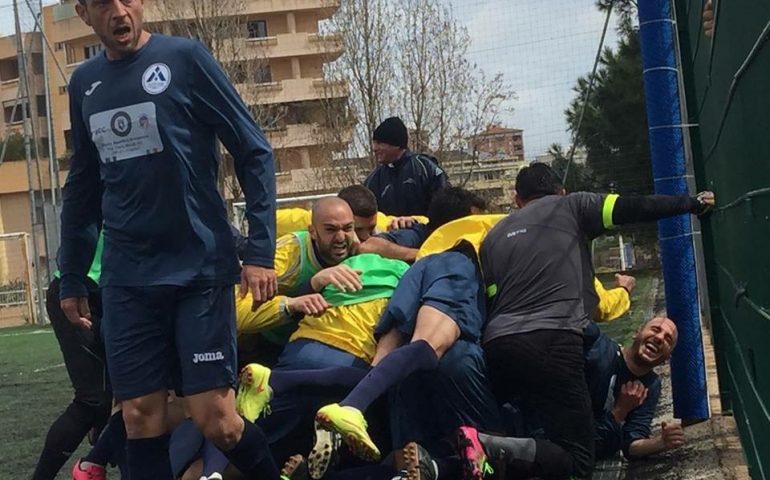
<point>83,353</point>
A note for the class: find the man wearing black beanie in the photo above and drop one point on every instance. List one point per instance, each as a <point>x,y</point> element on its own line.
<point>404,182</point>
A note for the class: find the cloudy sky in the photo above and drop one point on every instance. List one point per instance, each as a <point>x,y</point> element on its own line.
<point>541,47</point>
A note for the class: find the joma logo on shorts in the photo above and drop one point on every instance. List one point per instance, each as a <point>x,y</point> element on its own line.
<point>207,357</point>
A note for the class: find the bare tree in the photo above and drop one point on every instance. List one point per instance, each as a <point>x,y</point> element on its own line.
<point>368,63</point>
<point>418,70</point>
<point>488,98</point>
<point>221,28</point>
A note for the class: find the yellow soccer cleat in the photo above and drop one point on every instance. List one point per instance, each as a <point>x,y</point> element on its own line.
<point>254,392</point>
<point>350,423</point>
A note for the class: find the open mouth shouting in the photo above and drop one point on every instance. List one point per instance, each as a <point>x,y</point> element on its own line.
<point>122,33</point>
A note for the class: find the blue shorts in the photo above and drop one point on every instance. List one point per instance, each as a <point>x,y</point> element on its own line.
<point>449,282</point>
<point>169,337</point>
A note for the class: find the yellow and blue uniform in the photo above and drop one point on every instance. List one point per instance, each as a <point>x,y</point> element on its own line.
<point>349,324</point>
<point>295,264</point>
<point>341,337</point>
<point>446,277</point>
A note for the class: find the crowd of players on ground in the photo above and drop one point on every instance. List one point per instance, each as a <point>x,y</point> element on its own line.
<point>394,331</point>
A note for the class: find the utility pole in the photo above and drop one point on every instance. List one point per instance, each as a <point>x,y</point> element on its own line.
<point>25,110</point>
<point>53,164</point>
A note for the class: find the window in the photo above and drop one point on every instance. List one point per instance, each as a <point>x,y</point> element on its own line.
<point>42,110</point>
<point>59,46</point>
<point>37,63</point>
<point>71,56</point>
<point>92,50</point>
<point>257,28</point>
<point>68,140</point>
<point>9,70</point>
<point>263,74</point>
<point>18,115</point>
<point>62,90</point>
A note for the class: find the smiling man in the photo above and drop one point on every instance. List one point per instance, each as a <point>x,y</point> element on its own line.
<point>625,390</point>
<point>146,115</point>
<point>404,182</point>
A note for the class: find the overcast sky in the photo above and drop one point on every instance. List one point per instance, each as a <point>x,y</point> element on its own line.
<point>541,47</point>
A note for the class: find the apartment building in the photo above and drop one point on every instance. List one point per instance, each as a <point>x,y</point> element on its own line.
<point>275,55</point>
<point>14,183</point>
<point>10,86</point>
<point>498,140</point>
<point>490,176</point>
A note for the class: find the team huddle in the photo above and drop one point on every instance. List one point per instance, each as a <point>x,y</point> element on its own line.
<point>393,331</point>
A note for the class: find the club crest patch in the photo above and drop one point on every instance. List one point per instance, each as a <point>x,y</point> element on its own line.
<point>156,78</point>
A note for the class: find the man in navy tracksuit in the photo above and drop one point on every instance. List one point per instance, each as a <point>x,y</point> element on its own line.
<point>404,182</point>
<point>145,119</point>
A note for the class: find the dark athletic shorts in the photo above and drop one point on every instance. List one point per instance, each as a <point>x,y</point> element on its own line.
<point>164,337</point>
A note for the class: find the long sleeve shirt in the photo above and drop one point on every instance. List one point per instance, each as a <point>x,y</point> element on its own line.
<point>406,186</point>
<point>606,372</point>
<point>145,161</point>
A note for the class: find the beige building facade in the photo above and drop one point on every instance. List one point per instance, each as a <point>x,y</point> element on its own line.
<point>282,36</point>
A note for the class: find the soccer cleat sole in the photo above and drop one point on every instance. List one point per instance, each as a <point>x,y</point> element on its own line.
<point>411,455</point>
<point>324,452</point>
<point>359,448</point>
<point>295,468</point>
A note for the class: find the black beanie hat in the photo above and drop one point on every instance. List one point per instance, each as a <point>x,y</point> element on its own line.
<point>393,132</point>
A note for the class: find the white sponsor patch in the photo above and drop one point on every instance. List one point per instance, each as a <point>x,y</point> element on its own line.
<point>126,132</point>
<point>156,78</point>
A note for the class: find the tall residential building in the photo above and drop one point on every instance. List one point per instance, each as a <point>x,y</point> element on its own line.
<point>10,86</point>
<point>273,53</point>
<point>15,214</point>
<point>497,140</point>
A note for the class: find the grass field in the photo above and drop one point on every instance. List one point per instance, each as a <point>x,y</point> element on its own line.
<point>642,305</point>
<point>34,387</point>
<point>34,390</point>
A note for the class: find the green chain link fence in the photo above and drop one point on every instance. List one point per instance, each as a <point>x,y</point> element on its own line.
<point>727,82</point>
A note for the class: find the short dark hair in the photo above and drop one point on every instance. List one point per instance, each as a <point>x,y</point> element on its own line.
<point>537,180</point>
<point>479,202</point>
<point>361,200</point>
<point>449,204</point>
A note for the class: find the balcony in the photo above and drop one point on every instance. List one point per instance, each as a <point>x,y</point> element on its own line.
<point>309,181</point>
<point>8,90</point>
<point>183,9</point>
<point>289,45</point>
<point>293,90</point>
<point>298,136</point>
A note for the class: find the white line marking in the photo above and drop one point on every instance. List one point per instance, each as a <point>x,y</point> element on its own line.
<point>19,334</point>
<point>45,369</point>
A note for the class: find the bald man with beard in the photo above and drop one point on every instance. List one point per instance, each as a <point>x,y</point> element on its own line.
<point>305,262</point>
